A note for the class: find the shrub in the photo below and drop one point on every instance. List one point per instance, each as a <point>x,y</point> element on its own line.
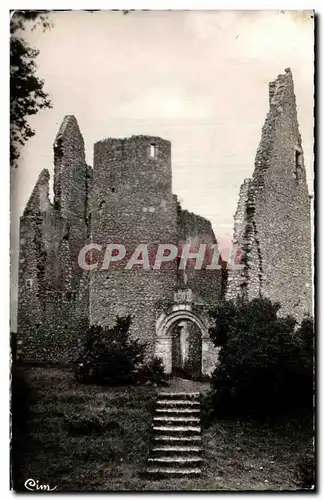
<point>265,366</point>
<point>207,412</point>
<point>152,372</point>
<point>109,356</point>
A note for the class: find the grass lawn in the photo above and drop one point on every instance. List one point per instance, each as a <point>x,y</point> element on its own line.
<point>85,437</point>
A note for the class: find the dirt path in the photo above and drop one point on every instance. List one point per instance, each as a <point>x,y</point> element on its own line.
<point>177,384</point>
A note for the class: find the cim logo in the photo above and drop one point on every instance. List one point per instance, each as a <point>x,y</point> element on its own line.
<point>33,485</point>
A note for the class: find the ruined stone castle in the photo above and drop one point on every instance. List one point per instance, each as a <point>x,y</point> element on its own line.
<point>126,198</point>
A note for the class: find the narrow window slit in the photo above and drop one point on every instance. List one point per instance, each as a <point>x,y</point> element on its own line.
<point>153,151</point>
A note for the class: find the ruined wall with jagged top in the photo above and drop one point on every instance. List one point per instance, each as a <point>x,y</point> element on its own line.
<point>236,285</point>
<point>53,294</point>
<point>126,199</point>
<point>277,228</point>
<point>205,283</point>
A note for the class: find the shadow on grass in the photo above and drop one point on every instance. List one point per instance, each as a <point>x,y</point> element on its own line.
<point>90,438</point>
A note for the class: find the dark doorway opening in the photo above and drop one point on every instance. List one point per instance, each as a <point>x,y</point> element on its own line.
<point>186,350</point>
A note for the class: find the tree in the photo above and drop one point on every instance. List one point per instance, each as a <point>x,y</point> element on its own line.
<point>27,95</point>
<point>265,363</point>
<point>110,356</point>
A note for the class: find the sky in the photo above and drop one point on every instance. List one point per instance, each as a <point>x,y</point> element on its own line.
<point>197,78</point>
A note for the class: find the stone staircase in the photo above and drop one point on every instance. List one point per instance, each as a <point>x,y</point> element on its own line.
<point>176,449</point>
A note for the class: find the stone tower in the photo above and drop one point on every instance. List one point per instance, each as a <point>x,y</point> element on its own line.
<point>132,204</point>
<point>272,222</point>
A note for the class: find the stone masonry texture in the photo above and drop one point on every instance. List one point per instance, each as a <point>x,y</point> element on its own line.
<point>127,199</point>
<point>272,223</point>
<point>132,203</point>
<point>53,300</point>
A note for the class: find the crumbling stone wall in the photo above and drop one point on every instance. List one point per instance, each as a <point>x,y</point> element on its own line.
<point>70,186</point>
<point>277,235</point>
<point>132,203</point>
<point>206,289</point>
<point>205,283</point>
<point>53,295</point>
<point>126,199</point>
<point>236,285</point>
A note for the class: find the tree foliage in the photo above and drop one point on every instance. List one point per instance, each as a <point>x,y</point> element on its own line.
<point>265,362</point>
<point>109,356</point>
<point>27,95</point>
<point>151,372</point>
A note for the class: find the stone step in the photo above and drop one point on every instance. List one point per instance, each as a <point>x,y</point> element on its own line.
<point>177,402</point>
<point>175,461</point>
<point>179,395</point>
<point>178,439</point>
<point>167,428</point>
<point>178,449</point>
<point>173,420</point>
<point>166,471</point>
<point>176,410</point>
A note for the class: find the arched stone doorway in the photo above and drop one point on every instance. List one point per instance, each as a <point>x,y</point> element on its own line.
<point>183,343</point>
